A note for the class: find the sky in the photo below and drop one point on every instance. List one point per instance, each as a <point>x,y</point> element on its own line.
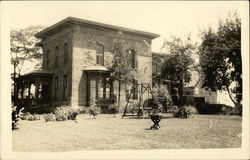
<point>166,18</point>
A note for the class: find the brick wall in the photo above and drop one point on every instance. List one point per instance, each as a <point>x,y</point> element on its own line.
<point>59,39</point>
<point>84,43</point>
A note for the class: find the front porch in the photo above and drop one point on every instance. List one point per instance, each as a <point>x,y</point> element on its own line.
<point>33,88</point>
<point>99,86</point>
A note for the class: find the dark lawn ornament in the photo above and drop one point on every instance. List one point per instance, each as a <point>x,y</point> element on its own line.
<point>156,118</point>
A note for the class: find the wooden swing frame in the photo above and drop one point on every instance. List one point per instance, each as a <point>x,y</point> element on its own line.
<point>142,88</point>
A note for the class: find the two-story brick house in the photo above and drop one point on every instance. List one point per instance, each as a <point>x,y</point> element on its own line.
<point>77,61</point>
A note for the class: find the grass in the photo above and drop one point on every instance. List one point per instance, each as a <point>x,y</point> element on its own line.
<point>109,132</point>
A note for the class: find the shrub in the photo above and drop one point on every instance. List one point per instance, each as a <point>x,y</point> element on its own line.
<point>34,117</point>
<point>30,117</point>
<point>82,110</point>
<point>174,110</point>
<point>183,111</point>
<point>15,116</point>
<point>109,109</point>
<point>65,113</point>
<point>72,113</point>
<point>49,117</point>
<point>94,110</point>
<point>192,109</point>
<point>218,109</point>
<point>112,109</point>
<point>23,116</point>
<point>227,110</point>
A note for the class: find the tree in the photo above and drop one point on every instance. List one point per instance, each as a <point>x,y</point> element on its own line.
<point>122,72</point>
<point>178,62</point>
<point>220,58</point>
<point>23,47</point>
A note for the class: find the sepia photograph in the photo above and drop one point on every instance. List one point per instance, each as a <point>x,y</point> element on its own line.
<point>125,80</point>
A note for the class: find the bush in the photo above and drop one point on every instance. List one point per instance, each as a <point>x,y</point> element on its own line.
<point>72,113</point>
<point>82,110</point>
<point>112,109</point>
<point>192,109</point>
<point>219,109</point>
<point>174,110</point>
<point>183,112</point>
<point>30,117</point>
<point>15,116</point>
<point>49,117</point>
<point>65,113</point>
<point>94,110</point>
<point>227,110</point>
<point>34,117</point>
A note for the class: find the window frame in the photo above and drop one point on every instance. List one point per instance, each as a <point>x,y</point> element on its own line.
<point>65,85</point>
<point>56,56</point>
<point>135,90</point>
<point>47,59</point>
<point>55,87</point>
<point>66,53</point>
<point>100,53</point>
<point>132,58</point>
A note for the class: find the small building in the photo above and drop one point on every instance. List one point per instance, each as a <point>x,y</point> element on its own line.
<point>197,93</point>
<point>202,95</point>
<point>77,60</point>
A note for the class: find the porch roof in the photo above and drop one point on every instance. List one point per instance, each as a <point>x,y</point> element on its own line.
<point>96,68</point>
<point>36,73</point>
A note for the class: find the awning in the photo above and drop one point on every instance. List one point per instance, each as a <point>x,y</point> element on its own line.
<point>96,68</point>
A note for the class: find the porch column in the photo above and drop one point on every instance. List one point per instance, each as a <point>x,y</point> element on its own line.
<point>36,91</point>
<point>22,91</point>
<point>29,90</point>
<point>97,81</point>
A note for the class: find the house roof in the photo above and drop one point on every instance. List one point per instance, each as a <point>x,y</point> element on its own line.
<point>72,20</point>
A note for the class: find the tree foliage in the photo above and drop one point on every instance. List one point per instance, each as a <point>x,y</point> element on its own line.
<point>121,71</point>
<point>178,62</point>
<point>23,46</point>
<point>220,57</point>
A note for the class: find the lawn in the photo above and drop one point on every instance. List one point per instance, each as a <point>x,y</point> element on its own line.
<point>109,132</point>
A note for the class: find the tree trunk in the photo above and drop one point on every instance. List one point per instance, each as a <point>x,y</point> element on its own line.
<point>181,92</point>
<point>119,94</point>
<point>230,96</point>
<point>15,86</point>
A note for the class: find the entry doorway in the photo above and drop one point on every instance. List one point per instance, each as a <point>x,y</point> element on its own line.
<point>99,88</point>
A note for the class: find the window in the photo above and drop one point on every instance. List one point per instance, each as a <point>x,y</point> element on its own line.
<point>66,53</point>
<point>100,54</point>
<point>135,89</point>
<point>47,59</point>
<point>104,88</point>
<point>56,56</point>
<point>65,86</point>
<point>56,87</point>
<point>132,58</point>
